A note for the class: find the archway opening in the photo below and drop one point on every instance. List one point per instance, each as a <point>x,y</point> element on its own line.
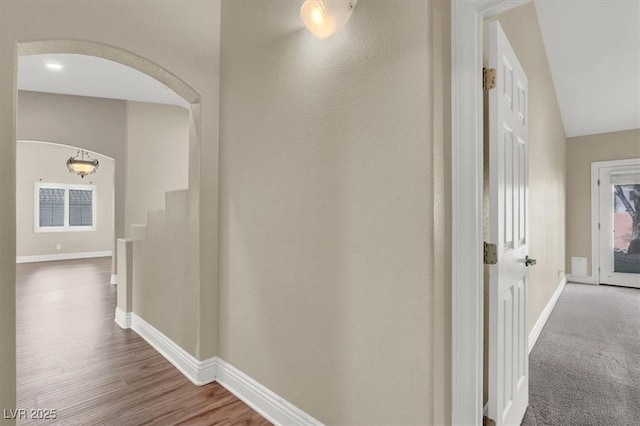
<point>132,160</point>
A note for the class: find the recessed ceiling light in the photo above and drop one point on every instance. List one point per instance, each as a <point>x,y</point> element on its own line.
<point>54,66</point>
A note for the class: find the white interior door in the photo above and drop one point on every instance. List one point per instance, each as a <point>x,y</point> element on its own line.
<point>619,225</point>
<point>509,278</point>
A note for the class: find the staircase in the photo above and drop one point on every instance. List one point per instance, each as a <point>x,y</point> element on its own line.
<point>165,269</point>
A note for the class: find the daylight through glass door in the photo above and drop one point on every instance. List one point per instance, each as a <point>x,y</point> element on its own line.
<point>626,229</point>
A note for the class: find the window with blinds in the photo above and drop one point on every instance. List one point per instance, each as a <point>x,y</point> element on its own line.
<point>63,207</point>
<point>51,207</point>
<point>80,207</point>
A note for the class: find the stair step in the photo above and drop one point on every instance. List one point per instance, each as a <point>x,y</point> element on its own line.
<point>176,202</point>
<point>156,219</point>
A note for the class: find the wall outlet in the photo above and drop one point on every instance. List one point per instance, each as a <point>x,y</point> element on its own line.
<point>58,246</point>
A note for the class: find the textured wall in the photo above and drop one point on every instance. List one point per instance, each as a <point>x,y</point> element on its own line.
<point>47,162</point>
<point>332,280</point>
<point>581,152</point>
<point>546,156</point>
<point>157,157</point>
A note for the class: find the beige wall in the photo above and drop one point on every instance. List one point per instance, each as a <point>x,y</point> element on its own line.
<point>165,274</point>
<point>332,282</point>
<point>96,124</point>
<point>46,162</point>
<point>147,30</point>
<point>581,152</point>
<point>546,155</point>
<point>334,196</point>
<point>165,251</point>
<point>157,157</point>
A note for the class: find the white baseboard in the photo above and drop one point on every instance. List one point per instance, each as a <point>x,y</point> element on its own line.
<point>270,406</point>
<point>581,280</point>
<point>63,256</point>
<point>199,372</point>
<point>114,279</point>
<point>544,316</point>
<point>123,319</point>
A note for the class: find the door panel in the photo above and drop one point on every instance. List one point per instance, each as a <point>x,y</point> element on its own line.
<point>508,279</point>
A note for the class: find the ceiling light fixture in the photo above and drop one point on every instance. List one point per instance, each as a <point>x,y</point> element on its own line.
<point>324,18</point>
<point>54,66</point>
<point>82,164</point>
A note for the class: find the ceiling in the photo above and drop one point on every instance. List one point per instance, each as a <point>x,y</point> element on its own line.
<point>91,76</point>
<point>593,48</point>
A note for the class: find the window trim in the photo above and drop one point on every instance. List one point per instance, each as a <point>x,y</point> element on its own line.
<point>66,186</point>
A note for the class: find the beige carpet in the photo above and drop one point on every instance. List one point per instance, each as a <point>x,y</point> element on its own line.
<point>585,367</point>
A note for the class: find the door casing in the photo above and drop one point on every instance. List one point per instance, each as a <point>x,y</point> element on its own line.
<point>595,212</point>
<point>467,17</point>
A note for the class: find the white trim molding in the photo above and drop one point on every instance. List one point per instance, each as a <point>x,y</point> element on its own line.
<point>63,256</point>
<point>466,186</point>
<point>269,405</point>
<point>595,211</point>
<point>199,372</point>
<point>595,217</point>
<point>114,279</point>
<point>123,319</point>
<point>544,315</point>
<point>264,401</point>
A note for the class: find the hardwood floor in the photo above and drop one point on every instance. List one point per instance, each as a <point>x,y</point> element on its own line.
<point>72,358</point>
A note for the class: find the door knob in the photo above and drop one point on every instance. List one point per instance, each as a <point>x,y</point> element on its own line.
<point>529,261</point>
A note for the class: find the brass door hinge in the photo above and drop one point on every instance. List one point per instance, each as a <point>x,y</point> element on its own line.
<point>490,254</point>
<point>486,421</point>
<point>488,78</point>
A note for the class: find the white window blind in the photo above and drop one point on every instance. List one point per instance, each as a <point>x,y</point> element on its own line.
<point>61,207</point>
<point>80,207</point>
<point>51,207</point>
<point>625,179</point>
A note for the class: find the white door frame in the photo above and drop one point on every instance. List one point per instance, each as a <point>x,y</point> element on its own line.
<point>467,17</point>
<point>595,211</point>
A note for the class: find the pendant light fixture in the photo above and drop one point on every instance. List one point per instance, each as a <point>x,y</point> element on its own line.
<point>82,164</point>
<point>324,18</point>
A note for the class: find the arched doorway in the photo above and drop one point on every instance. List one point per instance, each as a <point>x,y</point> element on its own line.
<point>153,70</point>
<point>133,61</point>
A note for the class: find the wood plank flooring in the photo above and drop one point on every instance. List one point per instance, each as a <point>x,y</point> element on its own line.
<point>72,357</point>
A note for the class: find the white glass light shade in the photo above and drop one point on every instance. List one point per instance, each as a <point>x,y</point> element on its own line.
<point>54,66</point>
<point>324,18</point>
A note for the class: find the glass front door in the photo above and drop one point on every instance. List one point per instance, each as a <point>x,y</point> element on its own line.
<point>626,229</point>
<point>619,225</point>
